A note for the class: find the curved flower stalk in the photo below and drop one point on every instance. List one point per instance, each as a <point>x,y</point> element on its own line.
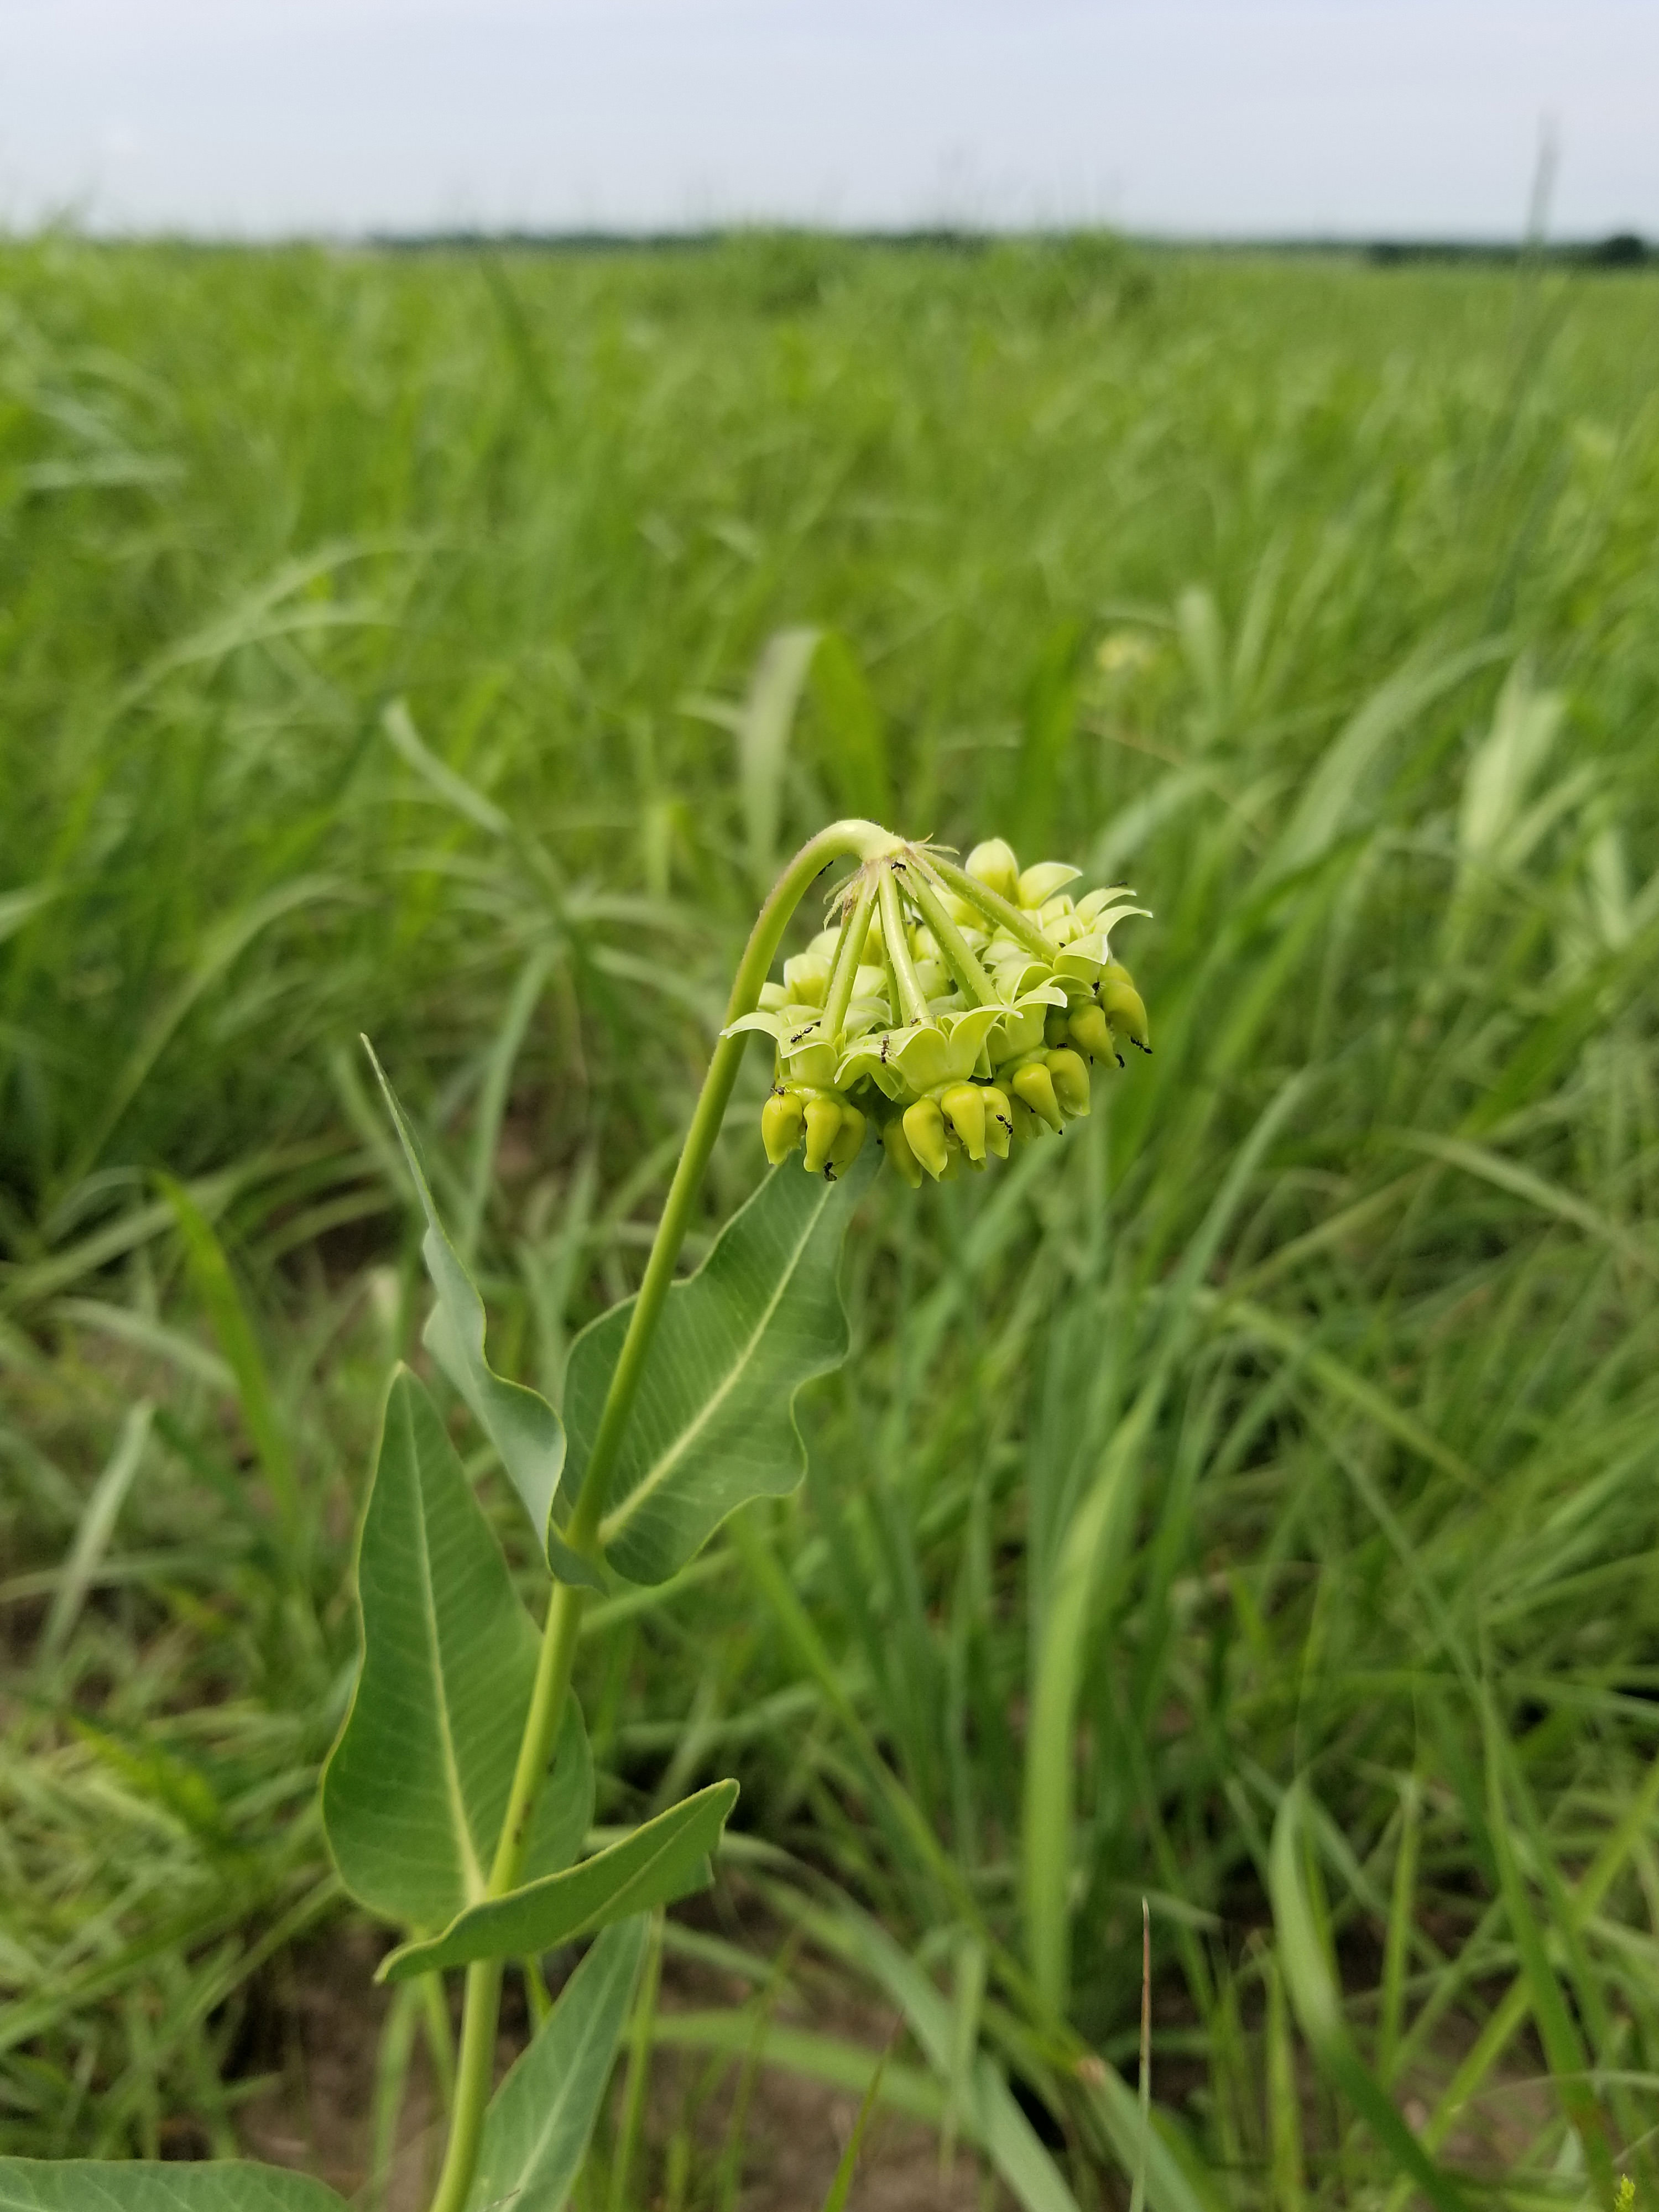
<point>956,1011</point>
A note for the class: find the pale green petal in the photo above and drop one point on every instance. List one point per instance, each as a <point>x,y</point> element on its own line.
<point>764,1024</point>
<point>1039,884</point>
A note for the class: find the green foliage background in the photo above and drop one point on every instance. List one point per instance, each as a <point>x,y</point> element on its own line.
<point>376,645</point>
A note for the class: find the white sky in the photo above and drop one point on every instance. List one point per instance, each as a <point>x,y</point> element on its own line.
<point>1211,117</point>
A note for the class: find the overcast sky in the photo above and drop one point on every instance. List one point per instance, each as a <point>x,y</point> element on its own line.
<point>1210,117</point>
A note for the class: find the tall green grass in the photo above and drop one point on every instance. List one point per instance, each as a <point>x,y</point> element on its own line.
<point>1253,1509</point>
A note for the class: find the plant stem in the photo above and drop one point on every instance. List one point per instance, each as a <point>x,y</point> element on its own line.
<point>958,959</point>
<point>475,2070</point>
<point>1020,925</point>
<point>912,1004</point>
<point>860,840</point>
<point>475,2078</point>
<point>848,954</point>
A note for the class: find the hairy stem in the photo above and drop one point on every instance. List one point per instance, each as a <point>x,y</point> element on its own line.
<point>976,984</point>
<point>475,2069</point>
<point>1020,925</point>
<point>848,954</point>
<point>911,1002</point>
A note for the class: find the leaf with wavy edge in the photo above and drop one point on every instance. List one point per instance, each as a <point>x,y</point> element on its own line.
<point>713,1423</point>
<point>527,1434</point>
<point>416,1785</point>
<point>666,1859</point>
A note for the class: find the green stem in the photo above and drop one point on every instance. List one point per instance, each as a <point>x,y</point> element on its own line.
<point>912,1004</point>
<point>475,2067</point>
<point>1018,924</point>
<point>475,2078</point>
<point>951,943</point>
<point>862,841</point>
<point>475,2071</point>
<point>848,954</point>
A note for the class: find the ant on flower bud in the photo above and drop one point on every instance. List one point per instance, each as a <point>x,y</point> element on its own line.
<point>958,1009</point>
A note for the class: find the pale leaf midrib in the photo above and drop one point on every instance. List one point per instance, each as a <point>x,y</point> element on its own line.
<point>471,1872</point>
<point>566,2087</point>
<point>649,1483</point>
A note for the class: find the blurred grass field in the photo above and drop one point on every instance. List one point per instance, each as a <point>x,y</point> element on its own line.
<point>416,644</point>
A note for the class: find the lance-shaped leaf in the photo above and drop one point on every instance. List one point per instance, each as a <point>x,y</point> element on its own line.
<point>96,2185</point>
<point>666,1859</point>
<point>713,1423</point>
<point>416,1789</point>
<point>526,1432</point>
<point>537,2129</point>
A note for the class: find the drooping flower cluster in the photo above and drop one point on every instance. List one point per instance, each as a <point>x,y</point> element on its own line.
<point>958,1009</point>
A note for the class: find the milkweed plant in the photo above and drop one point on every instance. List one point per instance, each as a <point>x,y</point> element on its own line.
<point>947,1015</point>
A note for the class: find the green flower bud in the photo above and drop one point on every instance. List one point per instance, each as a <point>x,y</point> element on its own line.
<point>849,1138</point>
<point>1090,1031</point>
<point>822,1121</point>
<point>897,1146</point>
<point>808,1056</point>
<point>964,1107</point>
<point>1021,1033</point>
<point>781,1120</point>
<point>999,1120</point>
<point>934,1016</point>
<point>807,978</point>
<point>994,865</point>
<point>924,1125</point>
<point>1123,1004</point>
<point>1033,1083</point>
<point>1070,1077</point>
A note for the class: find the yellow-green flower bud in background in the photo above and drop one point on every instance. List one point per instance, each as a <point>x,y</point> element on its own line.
<point>897,1147</point>
<point>1090,1032</point>
<point>849,1138</point>
<point>807,978</point>
<point>1033,1083</point>
<point>780,1124</point>
<point>960,1006</point>
<point>994,865</point>
<point>964,1107</point>
<point>1121,1004</point>
<point>998,1120</point>
<point>924,1126</point>
<point>1070,1077</point>
<point>823,1118</point>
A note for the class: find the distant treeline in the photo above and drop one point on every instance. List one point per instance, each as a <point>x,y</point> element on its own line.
<point>1624,249</point>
